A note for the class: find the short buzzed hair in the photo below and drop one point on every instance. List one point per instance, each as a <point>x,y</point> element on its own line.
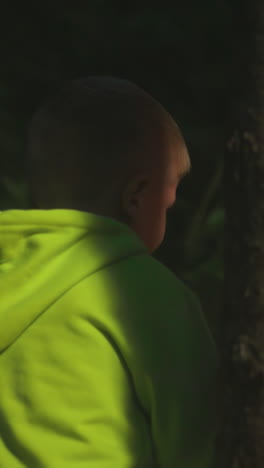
<point>88,137</point>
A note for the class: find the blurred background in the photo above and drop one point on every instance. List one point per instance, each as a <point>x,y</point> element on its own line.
<point>177,51</point>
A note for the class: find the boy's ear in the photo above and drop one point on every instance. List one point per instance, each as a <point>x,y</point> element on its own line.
<point>133,192</point>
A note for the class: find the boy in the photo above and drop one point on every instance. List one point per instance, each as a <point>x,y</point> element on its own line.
<point>106,360</point>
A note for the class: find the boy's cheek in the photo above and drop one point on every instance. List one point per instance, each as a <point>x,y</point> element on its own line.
<point>155,231</point>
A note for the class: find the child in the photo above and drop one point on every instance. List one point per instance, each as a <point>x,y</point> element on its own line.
<point>106,360</point>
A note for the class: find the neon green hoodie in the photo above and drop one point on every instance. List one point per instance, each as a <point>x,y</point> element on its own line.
<point>106,360</point>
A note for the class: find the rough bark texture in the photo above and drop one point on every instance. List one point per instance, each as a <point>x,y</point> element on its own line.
<point>243,331</point>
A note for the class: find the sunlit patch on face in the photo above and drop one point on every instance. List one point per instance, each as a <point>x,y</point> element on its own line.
<point>180,164</point>
<point>183,161</point>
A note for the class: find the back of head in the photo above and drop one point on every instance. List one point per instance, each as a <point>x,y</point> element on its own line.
<point>86,140</point>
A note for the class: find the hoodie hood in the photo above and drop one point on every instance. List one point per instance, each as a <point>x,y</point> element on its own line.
<point>39,260</point>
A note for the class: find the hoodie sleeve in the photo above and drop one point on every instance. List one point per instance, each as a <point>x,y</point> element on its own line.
<point>181,387</point>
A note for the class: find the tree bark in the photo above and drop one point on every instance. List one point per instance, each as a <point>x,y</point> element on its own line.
<point>243,325</point>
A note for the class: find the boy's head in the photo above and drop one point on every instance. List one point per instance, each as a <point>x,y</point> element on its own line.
<point>105,146</point>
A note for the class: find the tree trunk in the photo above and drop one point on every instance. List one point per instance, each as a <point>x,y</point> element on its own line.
<point>243,330</point>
